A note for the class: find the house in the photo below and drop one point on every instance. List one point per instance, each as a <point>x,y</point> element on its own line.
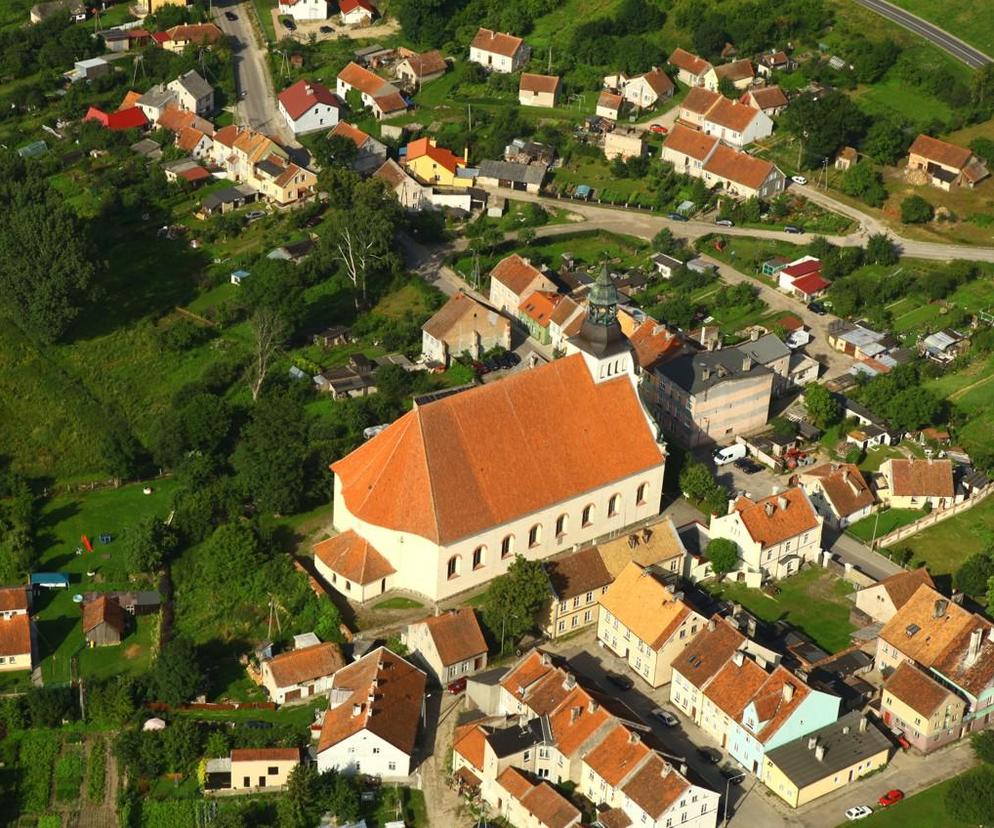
<point>463,326</point>
<point>739,73</point>
<point>16,630</point>
<point>945,165</point>
<point>535,312</point>
<point>514,278</point>
<point>179,37</point>
<point>14,601</point>
<point>432,164</point>
<point>226,200</point>
<point>411,193</point>
<point>769,351</point>
<point>882,600</point>
<point>356,12</point>
<point>256,769</point>
<point>344,383</point>
<point>308,106</point>
<point>654,343</point>
<point>846,158</point>
<point>943,346</point>
<point>646,623</point>
<point>382,97</point>
<point>104,622</point>
<point>539,90</point>
<point>283,182</point>
<point>609,105</point>
<point>192,93</point>
<point>769,100</point>
<point>703,658</point>
<point>352,566</point>
<point>511,176</point>
<point>90,69</point>
<point>374,716</point>
<point>926,713</point>
<point>185,169</point>
<point>565,322</point>
<point>575,581</point>
<point>773,61</point>
<point>695,105</point>
<point>304,9</point>
<point>624,144</point>
<point>691,70</point>
<point>703,156</point>
<point>371,153</point>
<point>665,266</point>
<point>802,278</point>
<point>122,119</point>
<point>911,483</point>
<point>416,69</point>
<point>839,493</point>
<point>826,759</point>
<point>301,673</point>
<point>710,396</point>
<point>531,803</point>
<point>294,252</point>
<point>774,535</point>
<point>498,52</point>
<point>194,142</point>
<point>449,645</point>
<point>156,100</point>
<point>736,124</point>
<point>458,525</point>
<point>75,10</point>
<point>725,695</point>
<point>646,90</point>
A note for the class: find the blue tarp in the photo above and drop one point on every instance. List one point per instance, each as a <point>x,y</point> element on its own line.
<point>582,190</point>
<point>49,579</point>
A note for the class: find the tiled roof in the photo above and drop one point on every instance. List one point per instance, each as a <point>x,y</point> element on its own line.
<point>769,97</point>
<point>613,818</point>
<point>514,782</point>
<point>926,625</point>
<point>617,755</point>
<point>427,63</point>
<point>539,83</point>
<point>773,708</point>
<point>739,167</point>
<point>442,156</point>
<point>395,713</point>
<point>812,283</point>
<point>708,651</point>
<point>516,274</point>
<point>940,152</point>
<point>189,139</point>
<point>653,544</point>
<point>521,681</point>
<point>122,119</point>
<point>550,808</point>
<point>131,99</point>
<point>346,6</point>
<point>655,787</point>
<point>304,95</point>
<point>195,33</point>
<point>273,754</point>
<point>690,142</point>
<point>654,343</point>
<point>699,100</point>
<point>539,306</point>
<point>845,488</point>
<point>731,114</point>
<point>457,635</point>
<point>13,598</point>
<point>306,664</point>
<point>644,605</point>
<point>469,741</point>
<point>778,517</point>
<point>391,172</point>
<point>575,720</point>
<point>921,693</point>
<point>488,40</point>
<point>353,133</point>
<point>609,100</point>
<point>104,610</point>
<point>564,311</point>
<point>463,310</point>
<point>968,661</point>
<point>802,267</point>
<point>365,81</point>
<point>353,557</point>
<point>682,59</point>
<point>736,70</point>
<point>456,466</point>
<point>921,478</point>
<point>658,81</point>
<point>15,635</point>
<point>577,574</point>
<point>388,102</point>
<point>734,685</point>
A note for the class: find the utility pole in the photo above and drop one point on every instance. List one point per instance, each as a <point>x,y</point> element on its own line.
<point>549,70</point>
<point>470,107</point>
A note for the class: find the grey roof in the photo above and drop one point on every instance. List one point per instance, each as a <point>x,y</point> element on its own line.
<point>227,195</point>
<point>939,341</point>
<point>194,84</point>
<point>510,740</point>
<point>766,349</point>
<point>490,678</point>
<point>157,97</point>
<point>268,167</point>
<point>861,337</point>
<point>508,170</point>
<point>844,745</point>
<point>696,372</point>
<point>668,261</point>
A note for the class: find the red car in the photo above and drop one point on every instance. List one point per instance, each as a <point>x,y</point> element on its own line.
<point>457,687</point>
<point>891,797</point>
<point>659,129</point>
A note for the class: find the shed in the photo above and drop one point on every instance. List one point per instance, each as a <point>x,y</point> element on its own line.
<point>238,275</point>
<point>104,622</point>
<point>49,580</point>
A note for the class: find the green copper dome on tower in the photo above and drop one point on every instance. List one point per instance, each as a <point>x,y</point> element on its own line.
<point>603,307</point>
<point>601,332</point>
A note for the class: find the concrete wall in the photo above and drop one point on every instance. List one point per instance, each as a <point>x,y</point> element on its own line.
<point>367,753</point>
<point>256,774</point>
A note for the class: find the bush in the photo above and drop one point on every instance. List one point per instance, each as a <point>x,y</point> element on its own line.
<point>975,573</point>
<point>916,210</point>
<point>98,772</point>
<point>69,774</point>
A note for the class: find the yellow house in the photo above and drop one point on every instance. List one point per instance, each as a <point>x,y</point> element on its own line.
<point>576,582</point>
<point>254,769</point>
<point>911,483</point>
<point>926,713</point>
<point>826,759</point>
<point>433,164</point>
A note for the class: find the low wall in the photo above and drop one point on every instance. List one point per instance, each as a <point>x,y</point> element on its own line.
<point>931,519</point>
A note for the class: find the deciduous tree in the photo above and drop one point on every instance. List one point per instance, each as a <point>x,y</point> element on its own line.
<point>723,555</point>
<point>514,598</point>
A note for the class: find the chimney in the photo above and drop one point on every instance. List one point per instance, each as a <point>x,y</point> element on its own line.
<point>356,710</point>
<point>788,691</point>
<point>683,769</point>
<point>677,596</point>
<point>845,730</point>
<point>646,534</point>
<point>863,724</point>
<point>746,363</point>
<point>633,737</point>
<point>633,541</point>
<point>546,659</point>
<point>738,657</point>
<point>705,373</point>
<point>820,753</point>
<point>939,609</point>
<point>812,742</point>
<point>782,502</point>
<point>592,706</point>
<point>574,714</point>
<point>711,625</point>
<point>976,640</point>
<point>754,334</point>
<point>775,490</point>
<point>769,508</point>
<point>465,155</point>
<point>570,681</point>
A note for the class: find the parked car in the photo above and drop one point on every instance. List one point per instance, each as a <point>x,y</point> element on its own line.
<point>620,681</point>
<point>891,797</point>
<point>747,465</point>
<point>252,215</point>
<point>733,776</point>
<point>792,228</point>
<point>326,30</point>
<point>817,307</point>
<point>709,754</point>
<point>658,129</point>
<point>799,179</point>
<point>665,717</point>
<point>724,222</point>
<point>289,24</point>
<point>457,687</point>
<point>677,217</point>
<point>728,454</point>
<point>230,15</point>
<point>859,812</point>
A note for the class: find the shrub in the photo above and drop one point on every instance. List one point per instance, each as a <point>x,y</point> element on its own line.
<point>916,210</point>
<point>69,774</point>
<point>98,772</point>
<point>37,756</point>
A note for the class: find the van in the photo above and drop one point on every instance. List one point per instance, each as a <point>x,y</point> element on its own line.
<point>729,454</point>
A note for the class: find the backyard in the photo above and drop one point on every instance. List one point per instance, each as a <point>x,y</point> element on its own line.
<point>882,523</point>
<point>946,545</point>
<point>814,601</point>
<point>923,810</point>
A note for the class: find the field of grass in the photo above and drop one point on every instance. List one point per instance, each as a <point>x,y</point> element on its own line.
<point>927,808</point>
<point>962,18</point>
<point>814,601</point>
<point>398,604</point>
<point>882,523</point>
<point>971,391</point>
<point>891,96</point>
<point>948,543</point>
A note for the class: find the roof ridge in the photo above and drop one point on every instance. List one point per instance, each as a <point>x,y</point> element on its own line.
<point>431,477</point>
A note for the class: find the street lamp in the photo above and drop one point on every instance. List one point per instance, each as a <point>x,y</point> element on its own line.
<point>728,783</point>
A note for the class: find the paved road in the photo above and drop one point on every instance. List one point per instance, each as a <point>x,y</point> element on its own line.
<point>973,58</point>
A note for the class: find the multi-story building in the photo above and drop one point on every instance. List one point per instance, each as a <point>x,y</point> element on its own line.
<point>463,326</point>
<point>882,600</point>
<point>16,630</point>
<point>301,673</point>
<point>514,278</point>
<point>576,582</point>
<point>193,93</point>
<point>308,106</point>
<point>910,483</point>
<point>691,69</point>
<point>839,492</point>
<point>449,645</point>
<point>432,164</point>
<point>928,714</point>
<point>499,52</point>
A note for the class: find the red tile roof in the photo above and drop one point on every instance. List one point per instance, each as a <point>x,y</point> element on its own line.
<point>903,585</point>
<point>427,63</point>
<point>516,274</point>
<point>940,152</point>
<point>457,635</point>
<point>921,478</point>
<point>548,84</point>
<point>273,754</point>
<point>658,81</point>
<point>195,33</point>
<point>306,664</point>
<point>773,708</point>
<point>550,808</point>
<point>654,343</point>
<point>919,691</point>
<point>132,118</point>
<point>617,755</point>
<point>655,787</point>
<point>683,59</point>
<point>708,652</point>
<point>774,519</point>
<point>577,574</point>
<point>925,627</point>
<point>189,139</point>
<point>390,102</point>
<point>575,720</point>
<point>610,100</point>
<point>731,114</point>
<point>644,605</point>
<point>365,81</point>
<point>346,6</point>
<point>539,306</point>
<point>353,558</point>
<point>802,268</point>
<point>353,133</point>
<point>690,142</point>
<point>734,685</point>
<point>442,156</point>
<point>699,100</point>
<point>736,70</point>
<point>527,674</point>
<point>769,97</point>
<point>739,167</point>
<point>104,610</point>
<point>845,488</point>
<point>15,635</point>
<point>811,284</point>
<point>456,466</point>
<point>514,782</point>
<point>13,598</point>
<point>488,40</point>
<point>304,95</point>
<point>469,741</point>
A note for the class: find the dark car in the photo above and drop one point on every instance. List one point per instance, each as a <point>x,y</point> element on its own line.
<point>676,217</point>
<point>289,24</point>
<point>710,755</point>
<point>230,16</point>
<point>326,30</point>
<point>620,681</point>
<point>817,307</point>
<point>457,687</point>
<point>792,228</point>
<point>732,775</point>
<point>747,465</point>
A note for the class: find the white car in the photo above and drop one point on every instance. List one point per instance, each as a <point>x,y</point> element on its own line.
<point>859,812</point>
<point>665,717</point>
<point>799,179</point>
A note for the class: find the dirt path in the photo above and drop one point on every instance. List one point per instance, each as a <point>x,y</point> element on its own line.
<point>442,804</point>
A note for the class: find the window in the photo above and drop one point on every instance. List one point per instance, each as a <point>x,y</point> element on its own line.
<point>507,547</point>
<point>478,556</point>
<point>587,617</point>
<point>272,770</point>
<point>391,766</point>
<point>576,602</point>
<point>560,526</point>
<point>576,620</point>
<point>452,568</point>
<point>562,626</point>
<point>376,750</point>
<point>534,536</point>
<point>641,493</point>
<point>563,606</point>
<point>526,756</point>
<point>588,513</point>
<point>589,598</point>
<point>613,504</point>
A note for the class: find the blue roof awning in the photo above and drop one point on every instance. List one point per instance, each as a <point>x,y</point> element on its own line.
<point>49,579</point>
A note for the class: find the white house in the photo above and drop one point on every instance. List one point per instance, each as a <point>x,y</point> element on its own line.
<point>499,52</point>
<point>737,124</point>
<point>514,278</point>
<point>381,96</point>
<point>193,93</point>
<point>302,673</point>
<point>304,9</point>
<point>647,89</point>
<point>450,645</point>
<point>308,106</point>
<point>356,12</point>
<point>691,69</point>
<point>374,715</point>
<point>839,492</point>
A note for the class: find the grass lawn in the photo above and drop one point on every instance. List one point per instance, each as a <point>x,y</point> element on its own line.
<point>959,17</point>
<point>398,604</point>
<point>882,523</point>
<point>814,601</point>
<point>972,392</point>
<point>263,9</point>
<point>927,808</point>
<point>397,804</point>
<point>892,96</point>
<point>948,543</point>
<point>747,254</point>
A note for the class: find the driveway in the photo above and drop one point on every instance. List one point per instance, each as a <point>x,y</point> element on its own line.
<point>306,28</point>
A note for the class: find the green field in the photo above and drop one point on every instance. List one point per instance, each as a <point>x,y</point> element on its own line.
<point>968,20</point>
<point>892,96</point>
<point>813,601</point>
<point>882,523</point>
<point>971,391</point>
<point>944,546</point>
<point>923,810</point>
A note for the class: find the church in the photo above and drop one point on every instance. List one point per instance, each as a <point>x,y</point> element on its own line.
<point>543,462</point>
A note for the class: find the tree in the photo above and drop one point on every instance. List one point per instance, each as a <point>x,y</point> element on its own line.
<point>823,124</point>
<point>970,796</point>
<point>176,674</point>
<point>268,335</point>
<point>696,480</point>
<point>300,807</point>
<point>865,183</point>
<point>364,236</point>
<point>340,795</point>
<point>821,405</point>
<point>514,598</point>
<point>975,573</point>
<point>149,544</point>
<point>880,249</point>
<point>885,142</point>
<point>916,210</point>
<point>723,555</point>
